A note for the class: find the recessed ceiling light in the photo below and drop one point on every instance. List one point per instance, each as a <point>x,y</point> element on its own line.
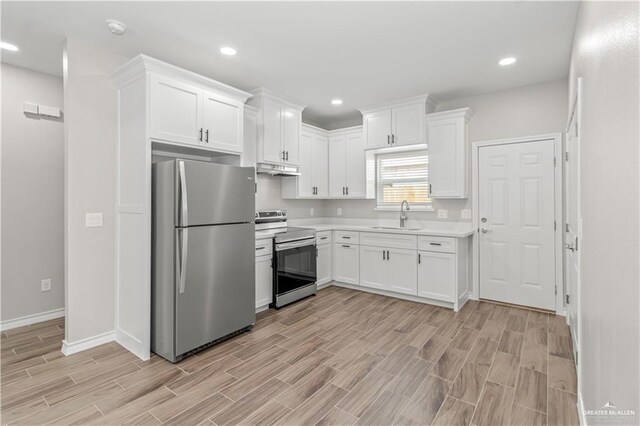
<point>8,46</point>
<point>507,61</point>
<point>229,51</point>
<point>116,27</point>
<point>336,102</point>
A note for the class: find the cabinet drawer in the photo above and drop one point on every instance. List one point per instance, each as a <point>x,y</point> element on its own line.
<point>388,240</point>
<point>439,244</point>
<point>347,237</point>
<point>264,247</point>
<point>323,237</point>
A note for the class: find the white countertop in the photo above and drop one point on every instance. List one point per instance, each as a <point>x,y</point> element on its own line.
<point>435,228</point>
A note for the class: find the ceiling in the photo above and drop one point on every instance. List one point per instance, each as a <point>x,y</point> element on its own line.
<point>364,53</point>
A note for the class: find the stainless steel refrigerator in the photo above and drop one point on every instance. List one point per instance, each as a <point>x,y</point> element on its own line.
<point>203,266</point>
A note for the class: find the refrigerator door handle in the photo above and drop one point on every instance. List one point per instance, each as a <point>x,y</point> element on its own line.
<point>184,232</point>
<point>184,210</point>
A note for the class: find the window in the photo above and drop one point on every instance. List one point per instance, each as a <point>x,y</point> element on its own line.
<point>402,176</point>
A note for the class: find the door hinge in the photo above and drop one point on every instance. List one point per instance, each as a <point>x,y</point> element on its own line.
<point>567,299</point>
<point>566,156</point>
<point>556,290</point>
<point>566,227</point>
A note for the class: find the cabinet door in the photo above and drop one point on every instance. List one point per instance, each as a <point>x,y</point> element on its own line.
<point>373,267</point>
<point>403,271</point>
<point>222,123</point>
<point>377,128</point>
<point>264,281</point>
<point>320,166</point>
<point>175,111</point>
<point>272,116</point>
<point>324,263</point>
<point>346,265</point>
<point>306,178</point>
<point>408,125</point>
<point>337,166</point>
<point>448,158</point>
<point>291,144</point>
<point>436,275</point>
<point>355,166</point>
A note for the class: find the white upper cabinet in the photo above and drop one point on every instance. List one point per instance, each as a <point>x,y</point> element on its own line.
<point>313,153</point>
<point>396,123</point>
<point>347,164</point>
<point>448,153</point>
<point>175,110</point>
<point>182,112</point>
<point>222,123</point>
<point>279,123</point>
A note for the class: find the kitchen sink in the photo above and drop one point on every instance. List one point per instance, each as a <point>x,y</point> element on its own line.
<point>395,228</point>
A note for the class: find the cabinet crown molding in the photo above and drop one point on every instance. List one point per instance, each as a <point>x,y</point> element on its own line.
<point>428,100</point>
<point>261,92</point>
<point>465,113</point>
<point>141,64</point>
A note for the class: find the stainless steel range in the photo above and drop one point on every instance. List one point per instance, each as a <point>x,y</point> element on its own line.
<point>294,262</point>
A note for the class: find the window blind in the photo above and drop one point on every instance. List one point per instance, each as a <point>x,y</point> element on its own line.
<point>402,176</point>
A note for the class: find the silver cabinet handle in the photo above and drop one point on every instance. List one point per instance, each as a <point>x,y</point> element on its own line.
<point>419,258</point>
<point>287,159</point>
<point>343,190</point>
<point>323,238</point>
<point>347,190</point>
<point>384,255</point>
<point>282,155</point>
<point>388,255</point>
<point>429,188</point>
<point>435,244</point>
<point>260,248</point>
<point>393,139</point>
<point>184,206</point>
<point>184,232</point>
<point>206,139</point>
<point>388,139</point>
<point>344,245</point>
<point>200,135</point>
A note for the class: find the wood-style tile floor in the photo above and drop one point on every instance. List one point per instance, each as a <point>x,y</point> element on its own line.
<point>342,357</point>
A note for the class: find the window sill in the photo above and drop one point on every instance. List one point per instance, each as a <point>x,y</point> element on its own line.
<point>397,209</point>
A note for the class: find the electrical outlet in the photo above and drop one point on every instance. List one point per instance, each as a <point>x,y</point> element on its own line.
<point>339,211</point>
<point>443,214</point>
<point>93,220</point>
<point>45,285</point>
<point>312,211</point>
<point>465,214</point>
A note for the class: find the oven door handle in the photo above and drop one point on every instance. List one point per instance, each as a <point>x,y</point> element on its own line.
<point>296,244</point>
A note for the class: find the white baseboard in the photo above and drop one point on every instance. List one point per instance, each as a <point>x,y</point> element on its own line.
<point>69,348</point>
<point>31,319</point>
<point>324,285</point>
<point>132,344</point>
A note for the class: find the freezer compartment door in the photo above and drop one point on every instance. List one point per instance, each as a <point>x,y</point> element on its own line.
<point>215,283</point>
<point>211,193</point>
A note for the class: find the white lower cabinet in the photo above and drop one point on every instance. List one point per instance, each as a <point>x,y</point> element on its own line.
<point>437,275</point>
<point>402,271</point>
<point>324,264</point>
<point>346,263</point>
<point>388,269</point>
<point>264,273</point>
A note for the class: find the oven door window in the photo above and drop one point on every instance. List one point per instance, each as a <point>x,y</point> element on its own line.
<point>295,268</point>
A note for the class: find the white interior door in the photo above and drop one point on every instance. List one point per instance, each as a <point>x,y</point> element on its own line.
<point>517,213</point>
<point>573,226</point>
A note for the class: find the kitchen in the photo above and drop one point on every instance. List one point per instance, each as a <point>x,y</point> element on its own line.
<point>388,244</point>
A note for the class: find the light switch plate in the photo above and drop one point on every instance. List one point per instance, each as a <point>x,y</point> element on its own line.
<point>465,214</point>
<point>30,108</point>
<point>443,214</point>
<point>93,220</point>
<point>339,211</point>
<point>49,111</point>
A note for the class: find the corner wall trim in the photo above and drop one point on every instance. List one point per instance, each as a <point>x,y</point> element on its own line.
<point>31,319</point>
<point>70,348</point>
<point>581,417</point>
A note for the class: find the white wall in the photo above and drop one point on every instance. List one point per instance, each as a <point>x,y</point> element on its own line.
<point>524,111</point>
<point>90,149</point>
<point>269,197</point>
<point>32,195</point>
<point>605,55</point>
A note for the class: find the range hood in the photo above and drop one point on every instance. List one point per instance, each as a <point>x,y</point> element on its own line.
<point>277,170</point>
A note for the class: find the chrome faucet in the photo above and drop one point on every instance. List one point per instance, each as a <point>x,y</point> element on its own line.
<point>403,212</point>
